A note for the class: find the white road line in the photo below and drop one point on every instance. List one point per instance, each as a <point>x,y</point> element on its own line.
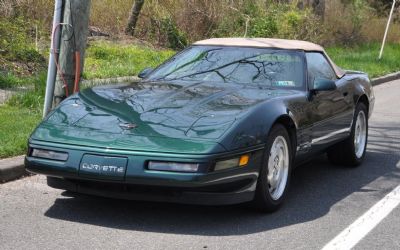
<point>349,237</point>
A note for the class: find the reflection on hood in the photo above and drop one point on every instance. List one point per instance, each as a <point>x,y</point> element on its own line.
<point>198,110</point>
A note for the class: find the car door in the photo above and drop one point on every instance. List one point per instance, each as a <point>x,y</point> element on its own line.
<point>328,109</point>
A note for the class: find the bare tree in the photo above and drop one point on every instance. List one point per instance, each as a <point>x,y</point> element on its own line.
<point>317,5</point>
<point>319,8</point>
<point>134,16</point>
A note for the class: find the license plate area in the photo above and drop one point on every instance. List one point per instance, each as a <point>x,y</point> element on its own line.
<point>103,167</point>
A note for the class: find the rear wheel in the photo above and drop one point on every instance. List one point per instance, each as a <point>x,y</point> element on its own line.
<point>351,152</point>
<point>275,171</point>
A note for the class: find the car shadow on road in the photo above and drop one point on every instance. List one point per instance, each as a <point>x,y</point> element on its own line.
<point>316,187</point>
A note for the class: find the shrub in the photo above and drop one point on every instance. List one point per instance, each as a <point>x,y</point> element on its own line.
<point>176,23</point>
<point>265,26</point>
<point>300,24</point>
<point>273,20</point>
<point>345,21</point>
<point>176,39</point>
<point>15,44</point>
<point>18,56</point>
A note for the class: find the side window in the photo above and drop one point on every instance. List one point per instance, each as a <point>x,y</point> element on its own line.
<point>318,67</point>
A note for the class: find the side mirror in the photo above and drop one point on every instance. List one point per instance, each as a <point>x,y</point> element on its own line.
<point>144,73</point>
<point>321,84</point>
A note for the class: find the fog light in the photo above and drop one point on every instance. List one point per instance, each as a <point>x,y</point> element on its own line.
<point>48,154</point>
<point>173,166</point>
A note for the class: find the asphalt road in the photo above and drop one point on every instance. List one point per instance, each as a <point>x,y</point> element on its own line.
<point>323,201</point>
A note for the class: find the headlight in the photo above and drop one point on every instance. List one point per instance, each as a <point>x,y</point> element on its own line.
<point>173,166</point>
<point>232,163</point>
<point>48,154</point>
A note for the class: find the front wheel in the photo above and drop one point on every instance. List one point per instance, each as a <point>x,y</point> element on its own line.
<point>351,152</point>
<point>275,171</point>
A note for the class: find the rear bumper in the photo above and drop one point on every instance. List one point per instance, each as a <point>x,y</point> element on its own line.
<point>236,185</point>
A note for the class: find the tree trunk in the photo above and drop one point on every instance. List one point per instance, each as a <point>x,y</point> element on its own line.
<point>134,16</point>
<point>318,6</point>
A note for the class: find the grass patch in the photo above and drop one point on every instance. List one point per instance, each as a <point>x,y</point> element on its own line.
<point>365,58</point>
<point>10,80</point>
<point>32,98</point>
<point>16,124</point>
<point>113,59</point>
<point>19,117</point>
<point>107,59</point>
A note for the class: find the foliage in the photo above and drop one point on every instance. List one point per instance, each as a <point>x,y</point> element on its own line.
<point>106,59</point>
<point>358,16</point>
<point>15,44</point>
<point>111,20</point>
<point>18,57</point>
<point>382,6</point>
<point>168,33</point>
<point>274,20</point>
<point>175,23</point>
<point>299,24</point>
<point>265,26</point>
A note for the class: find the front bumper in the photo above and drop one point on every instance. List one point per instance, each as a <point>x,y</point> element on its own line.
<point>151,193</point>
<point>231,186</point>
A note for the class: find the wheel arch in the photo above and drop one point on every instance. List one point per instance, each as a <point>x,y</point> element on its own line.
<point>364,99</point>
<point>290,125</point>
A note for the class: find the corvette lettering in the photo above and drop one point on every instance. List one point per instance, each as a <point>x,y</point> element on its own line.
<point>102,168</point>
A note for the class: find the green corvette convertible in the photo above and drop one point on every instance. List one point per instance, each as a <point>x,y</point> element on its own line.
<point>224,121</point>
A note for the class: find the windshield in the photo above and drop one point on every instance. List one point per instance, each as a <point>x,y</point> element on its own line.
<point>250,66</point>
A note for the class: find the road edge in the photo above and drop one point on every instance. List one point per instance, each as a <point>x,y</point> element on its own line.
<point>12,168</point>
<point>385,78</point>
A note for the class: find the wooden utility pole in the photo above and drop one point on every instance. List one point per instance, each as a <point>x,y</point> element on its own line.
<point>74,32</point>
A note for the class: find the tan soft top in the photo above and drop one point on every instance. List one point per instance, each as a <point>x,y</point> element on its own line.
<point>271,43</point>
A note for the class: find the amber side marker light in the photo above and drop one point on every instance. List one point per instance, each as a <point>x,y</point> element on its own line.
<point>244,160</point>
<point>241,161</point>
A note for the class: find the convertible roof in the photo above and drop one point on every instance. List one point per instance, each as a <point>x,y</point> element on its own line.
<point>271,43</point>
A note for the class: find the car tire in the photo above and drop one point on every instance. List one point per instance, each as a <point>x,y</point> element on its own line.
<point>274,178</point>
<point>351,152</point>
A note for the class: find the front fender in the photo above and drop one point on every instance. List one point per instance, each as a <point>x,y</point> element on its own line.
<point>362,88</point>
<point>253,128</point>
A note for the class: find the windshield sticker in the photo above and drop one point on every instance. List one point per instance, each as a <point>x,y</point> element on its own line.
<point>277,58</point>
<point>284,84</point>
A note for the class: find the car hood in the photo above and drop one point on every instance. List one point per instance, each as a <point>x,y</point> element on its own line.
<point>153,116</point>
